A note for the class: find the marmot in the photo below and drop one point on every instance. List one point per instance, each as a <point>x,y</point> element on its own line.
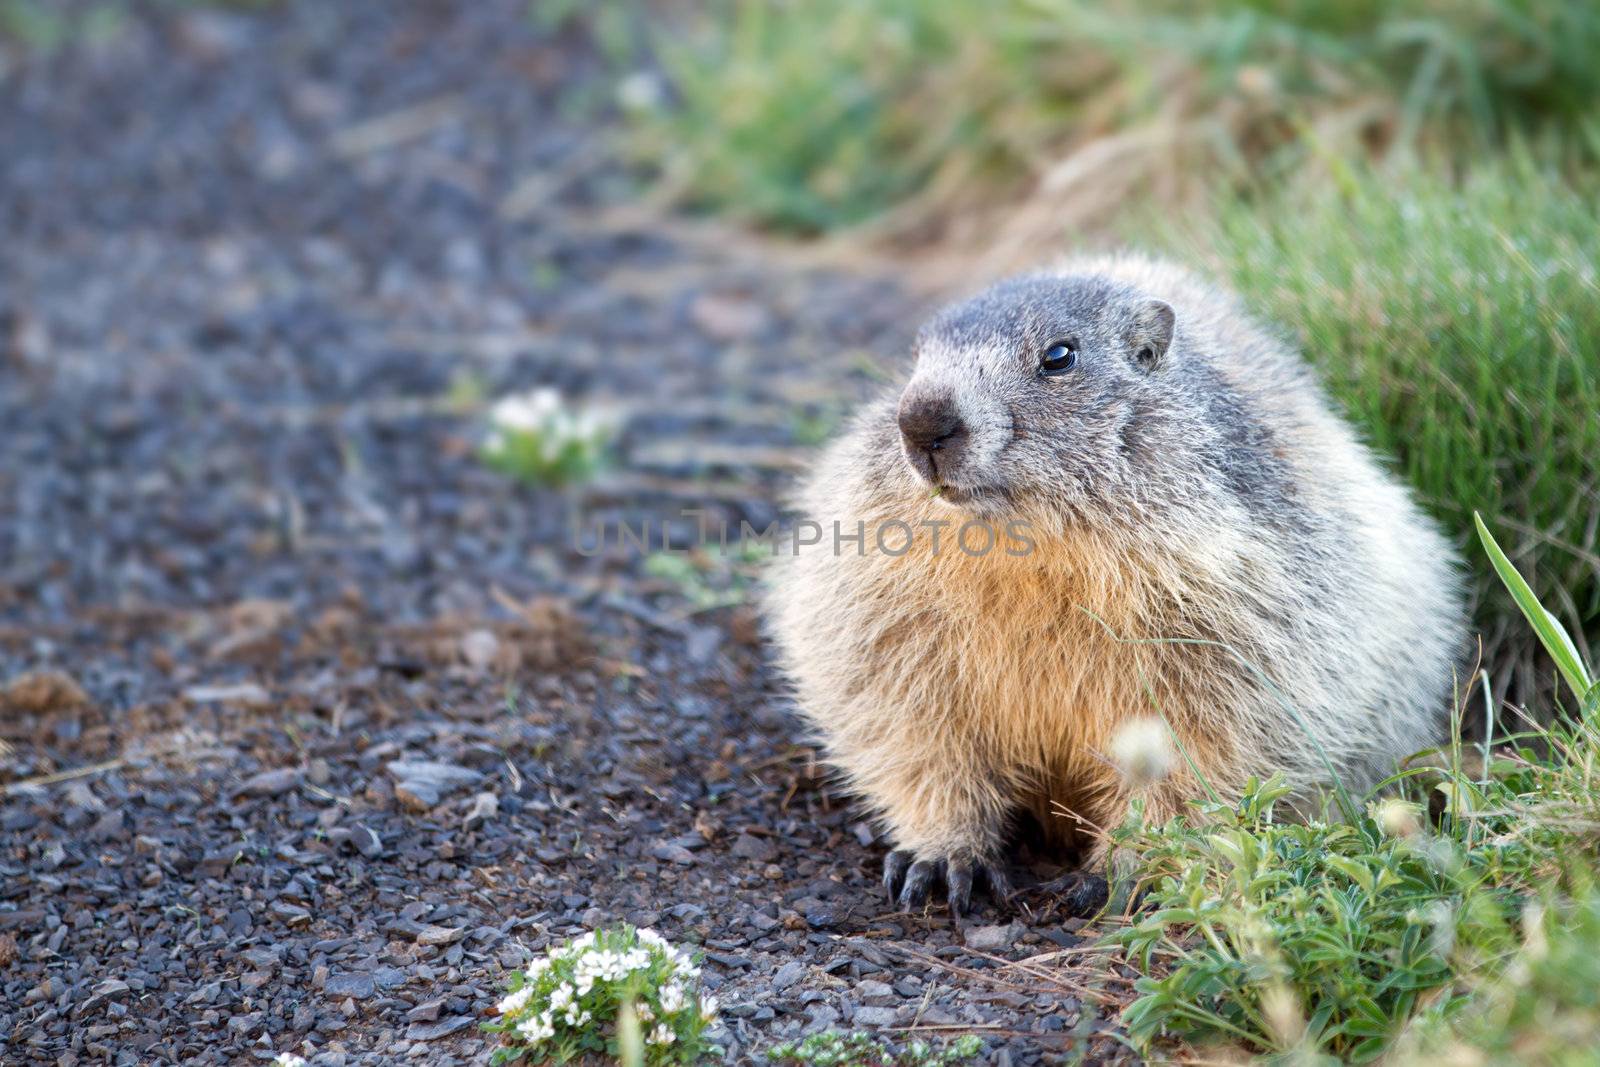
<point>1179,526</point>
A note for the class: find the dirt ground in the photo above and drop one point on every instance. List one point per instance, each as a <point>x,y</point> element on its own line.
<point>312,727</point>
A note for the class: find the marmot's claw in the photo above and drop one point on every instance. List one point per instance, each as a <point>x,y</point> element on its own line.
<point>1000,885</point>
<point>1082,894</point>
<point>919,881</point>
<point>894,871</point>
<point>909,881</point>
<point>958,883</point>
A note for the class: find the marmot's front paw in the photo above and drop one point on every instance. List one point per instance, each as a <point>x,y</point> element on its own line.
<point>909,880</point>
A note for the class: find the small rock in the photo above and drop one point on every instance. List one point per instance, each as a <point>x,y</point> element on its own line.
<point>440,935</point>
<point>419,797</point>
<point>389,977</point>
<point>874,1016</point>
<point>728,959</point>
<point>751,847</point>
<point>218,860</point>
<point>788,975</point>
<point>357,986</point>
<point>434,1031</point>
<point>872,991</point>
<point>292,914</point>
<point>822,1017</point>
<point>106,990</point>
<point>485,806</point>
<point>673,853</point>
<point>79,795</point>
<point>991,938</point>
<point>366,841</point>
<point>109,826</point>
<point>420,784</point>
<point>426,1012</point>
<point>451,775</point>
<point>270,783</point>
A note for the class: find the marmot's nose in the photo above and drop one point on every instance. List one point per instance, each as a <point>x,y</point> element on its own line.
<point>931,424</point>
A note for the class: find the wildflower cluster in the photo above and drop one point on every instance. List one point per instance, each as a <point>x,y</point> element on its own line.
<point>541,439</point>
<point>858,1049</point>
<point>568,1004</point>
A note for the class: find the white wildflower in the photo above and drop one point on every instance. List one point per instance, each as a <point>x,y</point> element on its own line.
<point>512,1003</point>
<point>639,91</point>
<point>662,1035</point>
<point>289,1059</point>
<point>1143,752</point>
<point>671,998</point>
<point>537,1028</point>
<point>708,1008</point>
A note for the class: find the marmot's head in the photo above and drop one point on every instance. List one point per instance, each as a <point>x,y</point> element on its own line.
<point>1035,394</point>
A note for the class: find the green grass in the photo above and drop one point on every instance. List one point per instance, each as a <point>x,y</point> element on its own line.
<point>822,115</point>
<point>1343,942</point>
<point>1458,323</point>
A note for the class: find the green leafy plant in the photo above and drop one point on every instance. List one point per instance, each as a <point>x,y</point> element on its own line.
<point>1542,1008</point>
<point>625,993</point>
<point>858,1049</point>
<point>709,580</point>
<point>1287,936</point>
<point>540,439</point>
<point>1339,940</point>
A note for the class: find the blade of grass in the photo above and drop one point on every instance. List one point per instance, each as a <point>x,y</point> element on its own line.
<point>1552,635</point>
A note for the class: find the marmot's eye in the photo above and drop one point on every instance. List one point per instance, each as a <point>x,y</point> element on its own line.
<point>1059,358</point>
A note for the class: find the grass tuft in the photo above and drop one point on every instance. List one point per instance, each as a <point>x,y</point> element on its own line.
<point>1349,941</point>
<point>815,116</point>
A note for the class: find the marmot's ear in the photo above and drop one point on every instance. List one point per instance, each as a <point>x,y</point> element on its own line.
<point>1151,335</point>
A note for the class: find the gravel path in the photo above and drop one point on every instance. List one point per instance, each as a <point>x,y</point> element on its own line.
<point>310,726</point>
